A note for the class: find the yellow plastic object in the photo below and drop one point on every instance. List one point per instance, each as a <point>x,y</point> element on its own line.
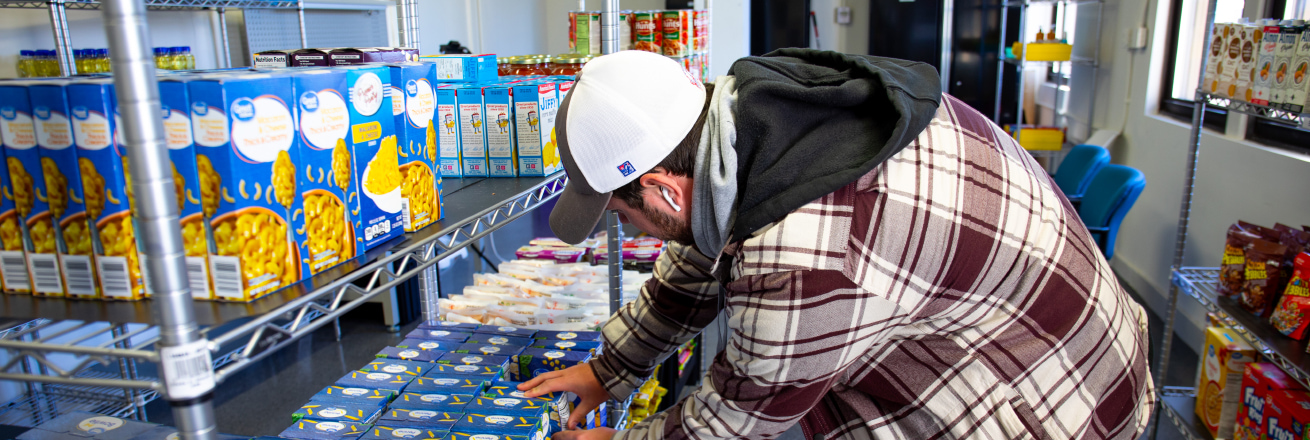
<point>1038,138</point>
<point>1043,51</point>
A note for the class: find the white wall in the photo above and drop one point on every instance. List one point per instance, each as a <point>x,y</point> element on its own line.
<point>22,29</point>
<point>847,38</point>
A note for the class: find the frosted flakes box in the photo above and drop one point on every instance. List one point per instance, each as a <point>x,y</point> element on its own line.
<point>337,412</point>
<point>498,118</point>
<point>327,233</point>
<point>568,335</point>
<point>480,360</point>
<point>489,349</point>
<point>494,339</point>
<point>506,331</point>
<point>446,385</point>
<point>519,426</point>
<point>589,346</point>
<point>315,430</point>
<point>102,163</point>
<point>438,335</point>
<point>362,396</point>
<point>472,132</point>
<point>411,354</point>
<point>64,198</point>
<point>18,137</point>
<point>452,403</point>
<point>463,68</point>
<point>413,107</point>
<point>386,432</point>
<point>374,380</point>
<point>197,204</point>
<point>418,417</point>
<point>429,344</point>
<point>376,166</point>
<point>509,406</point>
<point>247,156</point>
<point>448,132</point>
<point>533,362</point>
<point>447,325</point>
<point>398,367</point>
<point>536,105</point>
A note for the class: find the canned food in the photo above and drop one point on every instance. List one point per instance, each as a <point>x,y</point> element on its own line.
<point>647,31</point>
<point>677,33</point>
<point>701,30</point>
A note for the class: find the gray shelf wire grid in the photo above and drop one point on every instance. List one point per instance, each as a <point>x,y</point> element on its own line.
<point>158,4</point>
<point>1179,406</point>
<point>1261,111</point>
<point>50,401</point>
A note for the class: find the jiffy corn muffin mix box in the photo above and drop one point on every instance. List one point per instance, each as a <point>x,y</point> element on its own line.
<point>18,137</point>
<point>329,233</point>
<point>535,107</point>
<point>376,164</point>
<point>413,106</point>
<point>197,203</point>
<point>498,118</point>
<point>55,139</point>
<point>247,154</point>
<point>472,132</point>
<point>448,132</point>
<point>106,196</point>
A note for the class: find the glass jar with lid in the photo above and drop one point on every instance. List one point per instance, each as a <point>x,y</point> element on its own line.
<point>525,65</point>
<point>503,66</point>
<point>569,64</point>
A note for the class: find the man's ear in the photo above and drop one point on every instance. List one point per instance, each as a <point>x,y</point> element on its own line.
<point>659,181</point>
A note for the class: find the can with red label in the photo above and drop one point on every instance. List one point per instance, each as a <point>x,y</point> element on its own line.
<point>646,31</point>
<point>677,33</point>
<point>573,31</point>
<point>701,30</point>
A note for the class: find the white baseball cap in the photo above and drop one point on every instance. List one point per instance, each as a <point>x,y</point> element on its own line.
<point>626,113</point>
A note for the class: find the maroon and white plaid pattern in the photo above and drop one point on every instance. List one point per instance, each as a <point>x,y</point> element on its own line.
<point>952,292</point>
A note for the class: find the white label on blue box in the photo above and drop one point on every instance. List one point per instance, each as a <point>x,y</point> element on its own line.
<point>332,412</point>
<point>98,425</point>
<point>433,398</point>
<point>378,376</point>
<point>506,402</point>
<point>354,391</point>
<point>329,426</point>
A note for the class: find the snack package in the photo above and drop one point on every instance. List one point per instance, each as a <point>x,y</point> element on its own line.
<point>452,403</point>
<point>1296,241</point>
<point>251,168</point>
<point>534,361</point>
<point>490,349</point>
<point>428,345</point>
<point>1284,58</point>
<point>473,134</point>
<point>588,346</point>
<point>376,168</point>
<point>414,104</point>
<point>1292,317</point>
<point>1264,277</point>
<point>327,235</point>
<point>509,406</point>
<point>506,331</point>
<point>438,335</point>
<point>315,430</point>
<point>1218,394</point>
<point>446,325</point>
<point>64,198</point>
<point>474,423</point>
<point>1215,57</point>
<point>377,381</point>
<point>410,354</point>
<point>485,338</point>
<point>446,385</point>
<point>357,396</point>
<point>1232,270</point>
<point>475,372</point>
<point>337,412</point>
<point>35,234</point>
<point>418,418</point>
<point>536,105</point>
<point>569,336</point>
<point>398,367</point>
<point>386,432</point>
<point>479,360</point>
<point>1286,414</point>
<point>1258,379</point>
<point>197,204</point>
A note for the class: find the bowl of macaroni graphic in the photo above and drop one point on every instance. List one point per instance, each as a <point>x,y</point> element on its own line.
<point>382,177</point>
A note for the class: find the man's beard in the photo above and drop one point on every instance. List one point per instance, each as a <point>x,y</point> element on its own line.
<point>670,228</point>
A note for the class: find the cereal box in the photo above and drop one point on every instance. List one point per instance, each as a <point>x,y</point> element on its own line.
<point>536,105</point>
<point>107,198</point>
<point>59,164</point>
<point>18,137</point>
<point>410,354</point>
<point>498,118</point>
<point>1283,57</point>
<point>1300,91</point>
<point>532,362</point>
<point>326,231</point>
<point>362,396</point>
<point>446,385</point>
<point>428,344</point>
<point>1265,63</point>
<point>463,67</point>
<point>413,106</point>
<point>315,430</point>
<point>474,360</point>
<point>386,432</point>
<point>377,207</point>
<point>247,155</point>
<point>1210,82</point>
<point>374,380</point>
<point>398,367</point>
<point>1258,380</point>
<point>197,204</point>
<point>1219,393</point>
<point>337,412</point>
<point>438,335</point>
<point>448,134</point>
<point>1287,413</point>
<point>677,26</point>
<point>473,135</point>
<point>453,403</point>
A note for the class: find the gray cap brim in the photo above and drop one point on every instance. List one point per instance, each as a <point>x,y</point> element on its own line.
<point>580,207</point>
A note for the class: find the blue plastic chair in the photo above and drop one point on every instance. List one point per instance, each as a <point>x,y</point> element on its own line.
<point>1111,194</point>
<point>1078,168</point>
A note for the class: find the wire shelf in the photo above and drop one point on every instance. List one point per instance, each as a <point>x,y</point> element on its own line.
<point>31,409</point>
<point>1261,111</point>
<point>1179,404</point>
<point>159,4</point>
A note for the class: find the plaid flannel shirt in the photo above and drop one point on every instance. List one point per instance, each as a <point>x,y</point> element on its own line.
<point>952,292</point>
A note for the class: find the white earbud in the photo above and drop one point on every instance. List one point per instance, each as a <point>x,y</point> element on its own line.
<point>675,206</point>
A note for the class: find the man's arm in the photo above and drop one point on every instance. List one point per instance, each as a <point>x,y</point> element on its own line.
<point>680,300</point>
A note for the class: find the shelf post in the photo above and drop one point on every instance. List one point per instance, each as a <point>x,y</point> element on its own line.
<point>609,26</point>
<point>63,45</point>
<point>300,15</point>
<point>188,393</point>
<point>614,235</point>
<point>948,24</point>
<point>411,24</point>
<point>1000,63</point>
<point>224,57</point>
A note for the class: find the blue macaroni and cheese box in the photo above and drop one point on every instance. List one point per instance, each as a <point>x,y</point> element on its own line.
<point>428,344</point>
<point>498,118</point>
<point>55,139</point>
<point>453,403</point>
<point>377,206</point>
<point>489,349</point>
<point>567,345</point>
<point>486,338</point>
<point>448,132</point>
<point>486,373</point>
<point>568,335</point>
<point>446,385</point>
<point>247,155</point>
<point>89,426</point>
<point>532,362</point>
<point>361,396</point>
<point>337,412</point>
<point>329,234</point>
<point>472,133</point>
<point>506,331</point>
<point>11,238</point>
<point>511,406</point>
<point>315,430</point>
<point>399,367</point>
<point>414,105</point>
<point>438,335</point>
<point>106,196</point>
<point>473,423</point>
<point>418,417</point>
<point>18,136</point>
<point>482,360</point>
<point>535,107</point>
<point>471,436</point>
<point>197,204</point>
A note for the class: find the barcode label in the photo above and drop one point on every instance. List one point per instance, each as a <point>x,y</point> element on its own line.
<point>114,282</point>
<point>45,274</point>
<point>188,370</point>
<point>78,275</point>
<point>404,209</point>
<point>199,276</point>
<point>227,277</point>
<point>13,265</point>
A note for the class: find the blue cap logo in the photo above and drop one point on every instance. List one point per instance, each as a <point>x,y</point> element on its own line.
<point>80,112</point>
<point>42,112</point>
<point>411,88</point>
<point>627,169</point>
<point>8,113</point>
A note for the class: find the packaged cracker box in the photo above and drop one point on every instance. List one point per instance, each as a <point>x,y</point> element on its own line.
<point>452,403</point>
<point>463,67</point>
<point>535,107</point>
<point>1265,66</point>
<point>446,385</point>
<point>337,412</point>
<point>413,106</point>
<point>1258,379</point>
<point>1219,394</point>
<point>1246,59</point>
<point>108,200</point>
<point>327,233</point>
<point>338,394</point>
<point>398,367</point>
<point>448,132</point>
<point>315,430</point>
<point>18,139</point>
<point>385,432</point>
<point>197,203</point>
<point>376,156</point>
<point>418,417</point>
<point>411,354</point>
<point>247,154</point>
<point>1287,413</point>
<point>1288,35</point>
<point>374,381</point>
<point>438,335</point>
<point>59,165</point>
<point>1300,93</point>
<point>472,132</point>
<point>532,362</point>
<point>498,118</point>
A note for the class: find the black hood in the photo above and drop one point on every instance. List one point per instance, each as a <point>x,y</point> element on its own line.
<point>810,122</point>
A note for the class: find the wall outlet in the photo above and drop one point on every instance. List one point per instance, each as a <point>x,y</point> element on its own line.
<point>843,15</point>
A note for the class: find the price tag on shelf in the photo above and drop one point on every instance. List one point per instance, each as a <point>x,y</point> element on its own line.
<point>188,370</point>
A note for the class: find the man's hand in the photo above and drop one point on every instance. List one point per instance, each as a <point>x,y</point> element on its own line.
<point>590,434</point>
<point>578,379</point>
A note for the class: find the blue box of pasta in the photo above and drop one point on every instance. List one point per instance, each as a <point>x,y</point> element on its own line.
<point>473,423</point>
<point>18,136</point>
<point>376,156</point>
<point>452,403</point>
<point>472,132</point>
<point>560,402</point>
<point>411,354</point>
<point>329,233</point>
<point>568,335</point>
<point>447,325</point>
<point>245,130</point>
<point>506,331</point>
<point>471,385</point>
<point>428,344</point>
<point>315,430</point>
<point>498,117</point>
<point>448,132</point>
<point>492,339</point>
<point>387,432</point>
<point>337,412</point>
<point>489,349</point>
<point>64,191</point>
<point>535,107</point>
<point>377,381</point>
<point>510,406</point>
<point>471,436</point>
<point>197,204</point>
<point>471,359</point>
<point>414,105</point>
<point>398,367</point>
<point>438,335</point>
<point>487,373</point>
<point>358,396</point>
<point>589,346</point>
<point>534,361</point>
<point>418,417</point>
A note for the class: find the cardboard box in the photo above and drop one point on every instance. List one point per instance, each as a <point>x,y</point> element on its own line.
<point>588,346</point>
<point>519,426</point>
<point>411,354</point>
<point>309,58</point>
<point>1258,379</point>
<point>470,436</point>
<point>252,228</point>
<point>272,58</point>
<point>446,385</point>
<point>438,335</point>
<point>376,156</point>
<point>534,361</point>
<point>503,330</point>
<point>18,140</point>
<point>337,412</point>
<point>398,367</point>
<point>452,403</point>
<point>586,27</point>
<point>465,372</point>
<point>509,406</point>
<point>374,381</point>
<point>1231,59</point>
<point>418,418</point>
<point>314,430</point>
<point>474,360</point>
<point>448,132</point>
<point>489,349</point>
<point>536,105</point>
<point>493,339</point>
<point>447,325</point>
<point>327,234</point>
<point>87,426</point>
<point>498,118</point>
<point>197,205</point>
<point>1283,57</point>
<point>463,67</point>
<point>1299,96</point>
<point>414,104</point>
<point>387,432</point>
<point>428,344</point>
<point>349,56</point>
<point>1219,393</point>
<point>568,335</point>
<point>1265,63</point>
<point>1215,57</point>
<point>64,198</point>
<point>472,131</point>
<point>358,396</point>
<point>1287,413</point>
<point>1246,59</point>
